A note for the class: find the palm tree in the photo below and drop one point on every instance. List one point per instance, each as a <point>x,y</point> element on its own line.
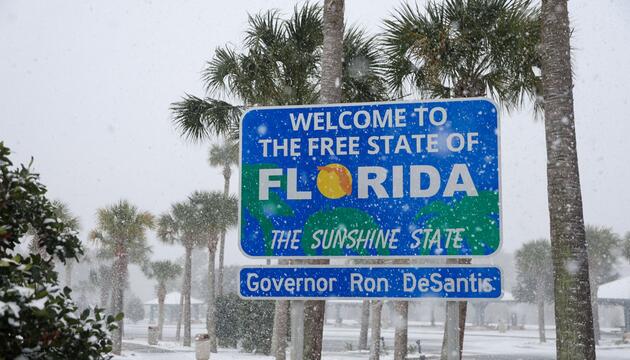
<point>163,271</point>
<point>280,66</point>
<point>103,279</point>
<point>121,234</point>
<point>465,48</point>
<point>574,317</point>
<point>216,213</point>
<point>332,78</point>
<point>182,225</point>
<point>375,336</point>
<point>535,278</point>
<point>603,253</point>
<point>224,155</point>
<point>63,213</point>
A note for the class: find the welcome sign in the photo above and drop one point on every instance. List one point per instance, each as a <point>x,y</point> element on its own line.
<point>375,179</point>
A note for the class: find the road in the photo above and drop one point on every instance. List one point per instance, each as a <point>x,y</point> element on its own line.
<point>480,344</point>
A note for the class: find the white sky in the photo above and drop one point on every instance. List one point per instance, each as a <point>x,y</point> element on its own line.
<point>85,88</point>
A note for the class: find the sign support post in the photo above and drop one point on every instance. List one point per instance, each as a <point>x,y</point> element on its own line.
<point>297,329</point>
<point>452,331</point>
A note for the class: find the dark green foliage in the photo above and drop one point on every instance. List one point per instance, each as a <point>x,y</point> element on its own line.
<point>603,247</point>
<point>163,271</point>
<point>39,320</point>
<point>534,271</point>
<point>465,48</point>
<point>257,319</point>
<point>247,322</point>
<point>228,329</point>
<point>134,309</point>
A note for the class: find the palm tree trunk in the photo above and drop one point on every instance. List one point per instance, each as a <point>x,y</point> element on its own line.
<point>119,278</point>
<point>540,301</point>
<point>68,269</point>
<point>104,294</point>
<point>211,326</point>
<point>180,312</point>
<point>375,339</point>
<point>186,293</point>
<point>332,55</point>
<point>365,325</point>
<point>221,261</point>
<point>400,334</point>
<point>574,316</point>
<point>280,323</point>
<point>161,295</point>
<point>227,172</point>
<point>595,307</point>
<point>314,317</point>
<point>462,309</point>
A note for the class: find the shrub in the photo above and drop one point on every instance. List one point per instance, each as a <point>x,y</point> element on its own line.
<point>38,319</point>
<point>245,321</point>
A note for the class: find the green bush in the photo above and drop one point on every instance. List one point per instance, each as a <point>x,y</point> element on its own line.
<point>38,319</point>
<point>134,309</point>
<point>247,322</point>
<point>228,329</point>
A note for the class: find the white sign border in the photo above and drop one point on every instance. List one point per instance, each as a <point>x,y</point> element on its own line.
<point>392,257</point>
<point>428,298</point>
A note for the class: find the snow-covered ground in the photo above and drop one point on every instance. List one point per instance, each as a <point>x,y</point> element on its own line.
<point>479,344</point>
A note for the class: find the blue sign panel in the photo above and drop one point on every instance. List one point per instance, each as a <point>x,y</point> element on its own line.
<point>374,179</point>
<point>382,282</point>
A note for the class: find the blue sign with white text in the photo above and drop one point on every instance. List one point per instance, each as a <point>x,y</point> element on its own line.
<point>374,179</point>
<point>469,282</point>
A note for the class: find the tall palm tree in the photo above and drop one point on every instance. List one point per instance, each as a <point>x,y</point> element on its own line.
<point>535,278</point>
<point>375,336</point>
<point>102,277</point>
<point>281,65</point>
<point>182,225</point>
<point>574,318</point>
<point>223,155</point>
<point>332,78</point>
<point>465,48</point>
<point>121,235</point>
<point>62,211</point>
<point>163,271</point>
<point>217,212</point>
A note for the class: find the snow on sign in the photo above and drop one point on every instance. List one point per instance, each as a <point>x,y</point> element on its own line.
<point>371,180</point>
<point>383,282</point>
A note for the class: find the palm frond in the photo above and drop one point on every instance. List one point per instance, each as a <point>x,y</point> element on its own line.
<point>265,30</point>
<point>465,48</point>
<point>198,119</point>
<point>221,71</point>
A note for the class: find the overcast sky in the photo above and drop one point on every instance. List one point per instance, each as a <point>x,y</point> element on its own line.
<point>85,88</point>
